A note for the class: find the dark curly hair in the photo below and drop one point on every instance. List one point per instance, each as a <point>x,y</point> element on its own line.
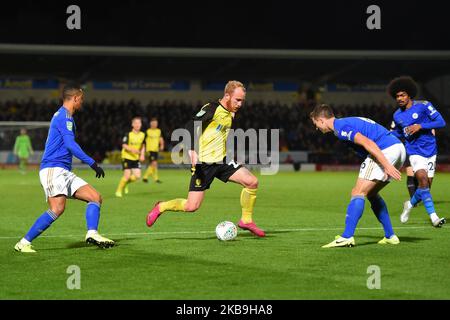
<point>403,83</point>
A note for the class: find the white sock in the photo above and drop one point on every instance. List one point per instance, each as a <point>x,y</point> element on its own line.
<point>434,217</point>
<point>409,204</point>
<point>25,241</point>
<point>91,232</point>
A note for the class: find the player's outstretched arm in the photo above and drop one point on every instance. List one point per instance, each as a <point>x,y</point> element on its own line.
<point>161,144</point>
<point>29,145</point>
<point>375,151</point>
<point>16,146</point>
<point>75,149</point>
<point>130,149</point>
<point>142,153</point>
<point>194,157</point>
<point>437,122</point>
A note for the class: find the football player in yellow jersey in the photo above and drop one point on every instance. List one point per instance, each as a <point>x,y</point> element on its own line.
<point>216,119</point>
<point>154,143</point>
<point>133,152</point>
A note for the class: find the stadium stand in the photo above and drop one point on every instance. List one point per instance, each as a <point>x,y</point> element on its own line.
<point>101,124</point>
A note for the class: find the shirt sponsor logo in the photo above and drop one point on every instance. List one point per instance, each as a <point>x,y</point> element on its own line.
<point>346,134</point>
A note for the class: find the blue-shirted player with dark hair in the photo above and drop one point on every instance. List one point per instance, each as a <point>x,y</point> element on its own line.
<point>59,182</point>
<point>414,122</point>
<point>384,154</point>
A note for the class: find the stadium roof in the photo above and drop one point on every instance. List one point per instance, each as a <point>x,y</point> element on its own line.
<point>121,63</point>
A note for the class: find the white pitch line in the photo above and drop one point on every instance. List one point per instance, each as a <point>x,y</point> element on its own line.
<point>150,233</point>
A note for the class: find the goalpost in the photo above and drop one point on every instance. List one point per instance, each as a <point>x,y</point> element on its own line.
<point>9,130</point>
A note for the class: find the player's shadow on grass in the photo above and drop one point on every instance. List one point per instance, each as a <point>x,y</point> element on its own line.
<point>378,238</point>
<point>185,238</point>
<point>132,195</point>
<point>241,236</point>
<point>82,244</point>
<point>271,234</point>
<point>440,202</point>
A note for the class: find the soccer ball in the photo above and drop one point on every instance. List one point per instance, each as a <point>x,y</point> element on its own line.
<point>226,230</point>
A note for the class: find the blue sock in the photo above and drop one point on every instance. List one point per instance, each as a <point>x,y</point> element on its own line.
<point>92,215</point>
<point>416,198</point>
<point>354,212</point>
<point>41,224</point>
<point>381,212</point>
<point>425,195</point>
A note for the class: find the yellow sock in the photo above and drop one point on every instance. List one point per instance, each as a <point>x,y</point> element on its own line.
<point>122,184</point>
<point>172,205</point>
<point>132,178</point>
<point>148,172</point>
<point>248,199</point>
<point>155,174</point>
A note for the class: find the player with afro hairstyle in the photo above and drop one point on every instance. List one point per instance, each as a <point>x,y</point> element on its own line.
<point>403,83</point>
<point>414,122</point>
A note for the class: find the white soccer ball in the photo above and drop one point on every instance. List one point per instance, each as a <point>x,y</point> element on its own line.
<point>226,230</point>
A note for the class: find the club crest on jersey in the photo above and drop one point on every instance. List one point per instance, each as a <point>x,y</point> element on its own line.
<point>69,125</point>
<point>415,115</point>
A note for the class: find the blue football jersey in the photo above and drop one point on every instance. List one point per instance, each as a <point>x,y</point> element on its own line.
<point>423,142</point>
<point>60,145</point>
<point>346,129</point>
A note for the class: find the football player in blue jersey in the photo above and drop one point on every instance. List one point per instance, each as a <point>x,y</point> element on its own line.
<point>414,122</point>
<point>59,182</point>
<point>384,154</point>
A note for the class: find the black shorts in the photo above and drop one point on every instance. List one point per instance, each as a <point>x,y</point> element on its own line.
<point>130,164</point>
<point>153,156</point>
<point>204,174</point>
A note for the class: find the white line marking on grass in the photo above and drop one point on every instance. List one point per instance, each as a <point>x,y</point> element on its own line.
<point>156,233</point>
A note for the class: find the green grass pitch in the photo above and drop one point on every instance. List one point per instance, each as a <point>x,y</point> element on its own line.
<point>180,257</point>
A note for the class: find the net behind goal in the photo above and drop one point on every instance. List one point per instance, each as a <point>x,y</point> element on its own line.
<point>10,130</point>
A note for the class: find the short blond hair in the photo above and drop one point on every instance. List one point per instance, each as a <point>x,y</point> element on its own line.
<point>233,85</point>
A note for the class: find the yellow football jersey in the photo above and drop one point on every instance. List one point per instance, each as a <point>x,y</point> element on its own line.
<point>216,125</point>
<point>134,140</point>
<point>152,140</point>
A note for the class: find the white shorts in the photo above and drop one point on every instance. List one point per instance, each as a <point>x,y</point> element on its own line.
<point>371,170</point>
<point>427,164</point>
<point>56,181</point>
